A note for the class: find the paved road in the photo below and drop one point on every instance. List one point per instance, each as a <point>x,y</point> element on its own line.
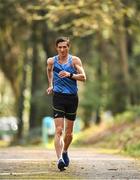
<point>33,163</point>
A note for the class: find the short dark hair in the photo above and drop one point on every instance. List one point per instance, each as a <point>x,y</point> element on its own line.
<point>62,39</point>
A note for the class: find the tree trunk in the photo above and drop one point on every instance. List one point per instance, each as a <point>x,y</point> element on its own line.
<point>123,54</point>
<point>21,98</point>
<point>33,105</point>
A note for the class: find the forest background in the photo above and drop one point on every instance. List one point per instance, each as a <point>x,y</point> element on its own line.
<point>105,34</point>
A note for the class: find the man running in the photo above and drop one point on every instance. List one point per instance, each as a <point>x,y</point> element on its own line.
<point>63,71</point>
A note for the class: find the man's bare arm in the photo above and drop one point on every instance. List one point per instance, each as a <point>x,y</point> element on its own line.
<point>80,76</point>
<point>50,74</point>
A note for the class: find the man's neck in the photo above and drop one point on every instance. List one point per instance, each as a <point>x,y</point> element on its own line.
<point>63,59</point>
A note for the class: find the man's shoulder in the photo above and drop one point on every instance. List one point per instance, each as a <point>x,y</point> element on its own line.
<point>50,60</point>
<point>75,58</point>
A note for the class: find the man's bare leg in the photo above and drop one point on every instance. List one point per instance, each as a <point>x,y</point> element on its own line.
<point>68,134</point>
<point>67,141</point>
<point>58,140</point>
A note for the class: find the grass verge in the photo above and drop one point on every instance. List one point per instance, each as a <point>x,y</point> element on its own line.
<point>121,137</point>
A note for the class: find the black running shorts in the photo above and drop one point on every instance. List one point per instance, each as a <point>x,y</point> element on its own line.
<point>65,105</point>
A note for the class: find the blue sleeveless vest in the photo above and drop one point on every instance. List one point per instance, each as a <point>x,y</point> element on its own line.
<point>64,85</point>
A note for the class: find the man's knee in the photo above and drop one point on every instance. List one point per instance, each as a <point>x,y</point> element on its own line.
<point>69,135</point>
<point>59,131</point>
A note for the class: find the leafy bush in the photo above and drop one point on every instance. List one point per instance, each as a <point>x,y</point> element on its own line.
<point>127,116</point>
<point>135,109</point>
<point>133,149</point>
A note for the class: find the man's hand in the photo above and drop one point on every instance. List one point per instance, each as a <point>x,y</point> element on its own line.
<point>49,90</point>
<point>63,74</point>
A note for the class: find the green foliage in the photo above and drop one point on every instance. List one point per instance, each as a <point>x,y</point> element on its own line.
<point>82,20</point>
<point>136,110</point>
<point>127,116</point>
<point>132,114</point>
<point>133,149</point>
<point>122,136</point>
<point>6,97</point>
<point>105,36</point>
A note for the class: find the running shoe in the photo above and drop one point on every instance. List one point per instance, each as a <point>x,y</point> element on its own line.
<point>61,165</point>
<point>66,158</point>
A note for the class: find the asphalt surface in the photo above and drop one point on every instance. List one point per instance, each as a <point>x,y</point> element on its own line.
<point>86,163</point>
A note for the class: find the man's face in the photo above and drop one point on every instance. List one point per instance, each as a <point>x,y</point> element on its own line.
<point>62,49</point>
